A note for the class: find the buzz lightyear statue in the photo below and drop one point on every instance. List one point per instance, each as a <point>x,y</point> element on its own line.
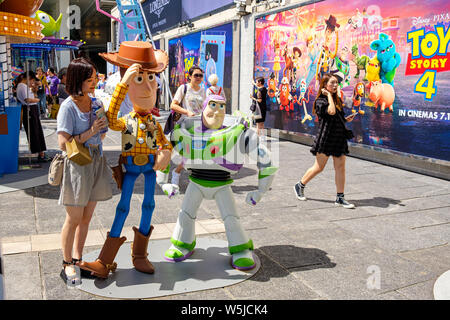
<point>213,146</point>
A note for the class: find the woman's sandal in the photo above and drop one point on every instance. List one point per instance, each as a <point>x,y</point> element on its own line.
<point>70,281</point>
<point>84,273</point>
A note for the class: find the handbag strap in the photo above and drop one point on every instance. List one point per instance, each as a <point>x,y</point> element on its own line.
<point>184,94</point>
<point>90,121</point>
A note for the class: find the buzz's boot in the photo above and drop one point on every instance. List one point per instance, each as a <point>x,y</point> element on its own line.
<point>183,238</point>
<point>105,261</point>
<point>139,252</point>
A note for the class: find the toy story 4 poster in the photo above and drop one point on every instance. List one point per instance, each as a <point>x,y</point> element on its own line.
<point>209,49</point>
<point>392,61</point>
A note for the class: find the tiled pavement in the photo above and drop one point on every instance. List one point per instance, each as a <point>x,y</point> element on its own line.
<point>394,245</point>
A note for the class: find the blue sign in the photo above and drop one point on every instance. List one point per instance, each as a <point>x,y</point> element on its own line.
<point>162,14</point>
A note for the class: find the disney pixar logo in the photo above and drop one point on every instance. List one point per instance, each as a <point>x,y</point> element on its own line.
<point>157,6</point>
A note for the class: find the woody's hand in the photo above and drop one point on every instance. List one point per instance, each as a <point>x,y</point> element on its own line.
<point>131,73</point>
<point>162,160</point>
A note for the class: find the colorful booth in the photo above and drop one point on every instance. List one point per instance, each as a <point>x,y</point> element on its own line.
<point>43,53</point>
<point>14,28</point>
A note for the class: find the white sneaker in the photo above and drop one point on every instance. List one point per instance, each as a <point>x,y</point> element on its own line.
<point>299,192</point>
<point>344,203</point>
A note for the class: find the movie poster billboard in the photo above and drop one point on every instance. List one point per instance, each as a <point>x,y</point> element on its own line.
<point>209,49</point>
<point>391,59</point>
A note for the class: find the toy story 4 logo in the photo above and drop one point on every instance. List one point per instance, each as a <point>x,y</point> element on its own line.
<point>428,57</point>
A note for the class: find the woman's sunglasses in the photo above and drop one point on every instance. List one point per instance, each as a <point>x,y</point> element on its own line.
<point>198,75</point>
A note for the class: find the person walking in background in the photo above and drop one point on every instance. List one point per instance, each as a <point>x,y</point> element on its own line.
<point>188,101</point>
<point>260,98</point>
<point>53,82</point>
<point>214,89</point>
<point>42,89</point>
<point>26,82</point>
<point>62,93</point>
<point>82,186</point>
<point>101,81</point>
<point>330,139</point>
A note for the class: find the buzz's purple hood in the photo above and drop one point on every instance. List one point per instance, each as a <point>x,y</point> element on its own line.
<point>212,97</point>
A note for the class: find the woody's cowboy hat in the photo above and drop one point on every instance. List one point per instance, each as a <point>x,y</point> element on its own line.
<point>332,23</point>
<point>138,52</point>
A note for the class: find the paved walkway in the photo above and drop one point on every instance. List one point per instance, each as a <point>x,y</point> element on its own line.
<point>394,245</point>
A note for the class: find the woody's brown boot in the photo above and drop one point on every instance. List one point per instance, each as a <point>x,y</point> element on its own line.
<point>105,261</point>
<point>139,252</point>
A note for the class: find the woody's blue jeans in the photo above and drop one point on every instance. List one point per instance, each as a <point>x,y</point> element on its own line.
<point>132,172</point>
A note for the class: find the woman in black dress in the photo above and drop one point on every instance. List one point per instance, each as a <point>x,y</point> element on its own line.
<point>260,98</point>
<point>330,139</point>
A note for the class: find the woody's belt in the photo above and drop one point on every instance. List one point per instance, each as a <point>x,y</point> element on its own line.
<point>139,159</point>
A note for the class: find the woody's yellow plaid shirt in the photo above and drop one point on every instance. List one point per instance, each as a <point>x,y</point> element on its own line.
<point>120,124</point>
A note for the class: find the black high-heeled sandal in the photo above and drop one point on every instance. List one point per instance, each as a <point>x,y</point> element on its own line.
<point>84,273</point>
<point>70,281</point>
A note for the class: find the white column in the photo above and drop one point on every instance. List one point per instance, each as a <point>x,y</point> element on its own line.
<point>247,63</point>
<point>235,65</point>
<point>64,56</point>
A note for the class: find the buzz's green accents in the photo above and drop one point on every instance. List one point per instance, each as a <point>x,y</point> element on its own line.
<point>210,184</point>
<point>241,247</point>
<point>207,146</point>
<point>174,254</point>
<point>267,172</point>
<point>191,130</point>
<point>181,244</point>
<point>244,263</point>
<point>166,170</point>
<point>177,126</point>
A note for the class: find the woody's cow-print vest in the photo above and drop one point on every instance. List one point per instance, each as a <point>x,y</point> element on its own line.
<point>130,135</point>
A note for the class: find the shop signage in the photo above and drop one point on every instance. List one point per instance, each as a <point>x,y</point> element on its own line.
<point>162,14</point>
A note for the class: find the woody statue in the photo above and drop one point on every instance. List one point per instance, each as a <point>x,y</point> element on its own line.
<point>144,150</point>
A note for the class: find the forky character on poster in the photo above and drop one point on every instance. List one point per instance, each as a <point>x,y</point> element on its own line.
<point>302,101</point>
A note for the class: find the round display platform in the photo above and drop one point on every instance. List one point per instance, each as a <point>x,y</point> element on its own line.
<point>209,267</point>
<point>441,290</point>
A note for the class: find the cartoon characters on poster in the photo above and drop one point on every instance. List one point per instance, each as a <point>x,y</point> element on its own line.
<point>360,62</point>
<point>326,56</point>
<point>382,94</point>
<point>388,57</point>
<point>352,48</point>
<point>303,100</point>
<point>358,94</point>
<point>285,98</point>
<point>272,87</point>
